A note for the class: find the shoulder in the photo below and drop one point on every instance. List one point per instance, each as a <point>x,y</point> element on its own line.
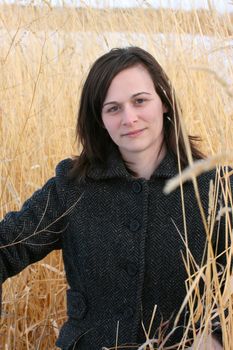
<point>62,177</point>
<point>63,167</point>
<point>218,173</point>
<point>207,176</point>
<point>216,180</point>
<point>211,177</point>
<point>66,185</point>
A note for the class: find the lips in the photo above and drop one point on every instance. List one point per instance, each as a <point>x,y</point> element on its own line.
<point>134,132</point>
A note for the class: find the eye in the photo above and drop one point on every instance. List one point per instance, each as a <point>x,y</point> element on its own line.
<point>140,101</point>
<point>112,109</point>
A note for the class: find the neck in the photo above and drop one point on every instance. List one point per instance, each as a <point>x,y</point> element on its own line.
<point>144,164</point>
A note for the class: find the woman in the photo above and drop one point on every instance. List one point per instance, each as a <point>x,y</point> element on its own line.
<point>106,210</point>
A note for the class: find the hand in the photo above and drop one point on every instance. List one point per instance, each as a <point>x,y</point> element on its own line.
<point>206,344</point>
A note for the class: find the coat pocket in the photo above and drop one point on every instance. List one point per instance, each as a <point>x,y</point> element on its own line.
<point>72,330</point>
<point>76,305</point>
<point>85,330</point>
<point>69,336</point>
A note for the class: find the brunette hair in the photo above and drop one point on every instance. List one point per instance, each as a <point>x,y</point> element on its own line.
<point>90,133</point>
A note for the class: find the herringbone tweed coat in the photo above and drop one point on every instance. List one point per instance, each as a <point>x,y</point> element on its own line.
<point>121,239</point>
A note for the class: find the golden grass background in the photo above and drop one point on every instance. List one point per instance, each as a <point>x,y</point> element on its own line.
<point>45,54</point>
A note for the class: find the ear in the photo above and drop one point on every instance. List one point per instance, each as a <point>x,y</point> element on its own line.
<point>165,109</point>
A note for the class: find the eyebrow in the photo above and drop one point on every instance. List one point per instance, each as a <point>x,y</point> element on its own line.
<point>134,95</point>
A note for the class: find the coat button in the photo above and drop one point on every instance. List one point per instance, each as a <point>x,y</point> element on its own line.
<point>131,269</point>
<point>134,225</point>
<point>137,187</point>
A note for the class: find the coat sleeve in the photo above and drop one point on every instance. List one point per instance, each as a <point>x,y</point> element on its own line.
<point>30,234</point>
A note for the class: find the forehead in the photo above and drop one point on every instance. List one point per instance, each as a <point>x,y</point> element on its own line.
<point>130,81</point>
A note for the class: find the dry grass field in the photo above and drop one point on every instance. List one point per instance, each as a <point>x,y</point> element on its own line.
<point>45,54</point>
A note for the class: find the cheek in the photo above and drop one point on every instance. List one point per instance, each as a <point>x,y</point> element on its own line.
<point>105,123</point>
<point>111,125</point>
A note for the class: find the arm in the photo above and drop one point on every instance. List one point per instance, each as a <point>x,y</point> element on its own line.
<point>30,234</point>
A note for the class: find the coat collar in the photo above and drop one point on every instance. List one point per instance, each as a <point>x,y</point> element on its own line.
<point>116,168</point>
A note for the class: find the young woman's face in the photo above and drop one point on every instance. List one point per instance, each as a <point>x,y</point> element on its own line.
<point>132,112</point>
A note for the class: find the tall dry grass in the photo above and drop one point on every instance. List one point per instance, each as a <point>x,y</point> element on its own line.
<point>45,54</point>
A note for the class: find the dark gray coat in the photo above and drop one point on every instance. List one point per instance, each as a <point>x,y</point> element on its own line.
<point>121,244</point>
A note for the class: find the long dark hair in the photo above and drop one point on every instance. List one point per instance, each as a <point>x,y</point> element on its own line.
<point>90,133</point>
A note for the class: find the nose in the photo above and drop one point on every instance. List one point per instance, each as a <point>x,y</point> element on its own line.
<point>129,115</point>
